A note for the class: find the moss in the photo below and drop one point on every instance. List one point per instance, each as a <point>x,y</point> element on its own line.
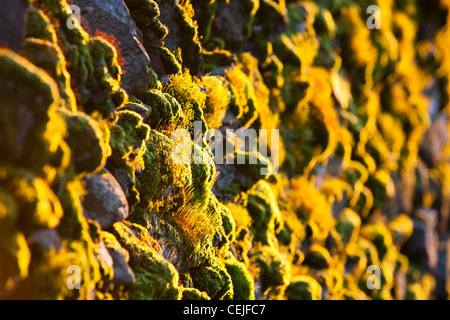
<point>36,204</point>
<point>128,146</point>
<point>303,288</point>
<point>213,278</point>
<point>30,130</point>
<point>263,209</point>
<point>243,285</point>
<point>39,25</point>
<point>166,113</point>
<point>318,257</point>
<point>155,277</point>
<point>380,236</point>
<point>274,270</point>
<point>86,139</point>
<point>49,57</point>
<point>218,59</point>
<point>348,225</point>
<point>217,100</point>
<point>194,294</point>
<point>15,258</point>
<point>401,229</point>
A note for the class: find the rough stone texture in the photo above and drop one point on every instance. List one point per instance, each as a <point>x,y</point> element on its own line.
<point>139,109</point>
<point>421,248</point>
<point>123,275</point>
<point>105,201</point>
<point>13,17</point>
<point>113,18</point>
<point>435,139</point>
<point>47,239</point>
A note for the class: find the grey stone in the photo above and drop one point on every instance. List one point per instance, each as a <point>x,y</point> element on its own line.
<point>47,239</point>
<point>112,17</point>
<point>105,201</point>
<point>138,108</point>
<point>422,247</point>
<point>123,275</point>
<point>13,17</point>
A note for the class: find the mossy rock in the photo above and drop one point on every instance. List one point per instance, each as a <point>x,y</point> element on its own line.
<point>263,208</point>
<point>380,236</point>
<point>348,225</point>
<point>318,257</point>
<point>156,278</point>
<point>303,288</point>
<point>194,294</point>
<point>243,284</point>
<point>88,141</point>
<point>30,130</point>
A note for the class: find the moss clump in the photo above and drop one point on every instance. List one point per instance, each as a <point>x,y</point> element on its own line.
<point>262,207</point>
<point>49,57</point>
<point>318,257</point>
<point>217,100</point>
<point>165,111</point>
<point>194,294</point>
<point>128,146</point>
<point>380,236</point>
<point>274,270</point>
<point>156,278</point>
<point>243,285</point>
<point>304,288</point>
<point>31,132</point>
<point>88,141</point>
<point>348,225</point>
<point>213,278</point>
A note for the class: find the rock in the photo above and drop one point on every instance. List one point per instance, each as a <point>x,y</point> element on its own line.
<point>105,201</point>
<point>123,275</point>
<point>113,18</point>
<point>138,108</point>
<point>182,34</point>
<point>421,248</point>
<point>47,239</point>
<point>105,255</point>
<point>435,140</point>
<point>442,273</point>
<point>14,16</point>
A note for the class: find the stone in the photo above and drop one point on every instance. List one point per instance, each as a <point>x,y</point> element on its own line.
<point>123,275</point>
<point>112,17</point>
<point>14,16</point>
<point>138,108</point>
<point>47,239</point>
<point>422,247</point>
<point>105,201</point>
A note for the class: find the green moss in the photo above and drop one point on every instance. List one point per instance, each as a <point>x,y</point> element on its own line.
<point>274,270</point>
<point>348,225</point>
<point>166,113</point>
<point>87,141</point>
<point>243,285</point>
<point>49,57</point>
<point>194,294</point>
<point>30,131</point>
<point>303,288</point>
<point>161,174</point>
<point>155,277</point>
<point>263,209</point>
<point>380,236</point>
<point>213,278</point>
<point>128,146</point>
<point>318,257</point>
<point>39,25</point>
